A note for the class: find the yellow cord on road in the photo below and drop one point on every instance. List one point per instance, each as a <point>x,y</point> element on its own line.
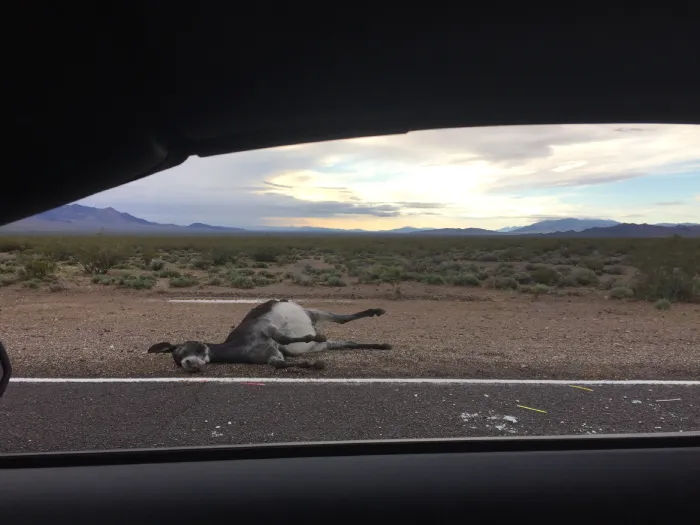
<point>530,408</point>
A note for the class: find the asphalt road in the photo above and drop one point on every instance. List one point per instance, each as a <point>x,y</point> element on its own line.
<point>70,416</point>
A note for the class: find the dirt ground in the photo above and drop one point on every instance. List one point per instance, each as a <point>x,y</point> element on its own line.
<point>485,334</point>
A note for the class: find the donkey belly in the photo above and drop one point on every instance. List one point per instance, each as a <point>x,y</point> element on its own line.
<point>292,320</point>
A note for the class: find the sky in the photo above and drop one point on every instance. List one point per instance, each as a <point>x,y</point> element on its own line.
<point>488,177</point>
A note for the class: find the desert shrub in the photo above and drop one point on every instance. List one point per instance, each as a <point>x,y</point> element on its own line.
<point>595,264</point>
<point>8,267</point>
<point>448,267</point>
<point>583,277</point>
<point>535,289</point>
<point>184,281</point>
<point>201,264</point>
<point>157,264</point>
<point>668,269</point>
<point>608,284</point>
<point>37,268</point>
<point>615,270</point>
<point>506,283</point>
<point>266,254</point>
<point>59,251</point>
<point>380,273</point>
<point>136,282</point>
<point>433,278</point>
<point>540,289</point>
<point>465,279</point>
<point>522,277</point>
<point>147,256</point>
<point>300,279</point>
<point>103,279</point>
<point>12,245</point>
<point>239,279</point>
<point>57,287</point>
<point>621,292</point>
<point>261,280</point>
<point>487,257</point>
<point>221,255</point>
<point>7,280</point>
<point>662,304</point>
<point>505,270</point>
<point>542,274</point>
<point>98,260</point>
<point>335,280</point>
<point>168,273</point>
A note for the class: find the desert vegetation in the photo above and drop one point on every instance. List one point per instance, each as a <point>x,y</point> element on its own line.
<point>665,269</point>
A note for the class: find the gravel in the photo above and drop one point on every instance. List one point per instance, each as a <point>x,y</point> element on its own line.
<point>105,333</point>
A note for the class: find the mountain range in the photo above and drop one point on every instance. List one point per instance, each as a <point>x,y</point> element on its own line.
<point>77,219</point>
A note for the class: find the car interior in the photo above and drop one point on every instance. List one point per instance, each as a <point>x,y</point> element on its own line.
<point>107,94</point>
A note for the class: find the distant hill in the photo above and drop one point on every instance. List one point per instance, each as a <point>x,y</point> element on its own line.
<point>625,230</point>
<point>79,219</point>
<point>76,218</point>
<point>458,231</point>
<point>563,225</point>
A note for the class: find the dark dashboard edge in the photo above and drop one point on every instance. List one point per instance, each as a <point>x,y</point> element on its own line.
<point>350,448</point>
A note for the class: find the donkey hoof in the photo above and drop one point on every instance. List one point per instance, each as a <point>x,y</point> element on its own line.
<point>385,347</point>
<point>319,365</point>
<point>378,311</point>
<point>320,338</point>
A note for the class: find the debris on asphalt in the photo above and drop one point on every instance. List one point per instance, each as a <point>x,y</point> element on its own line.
<point>534,409</point>
<point>510,419</point>
<point>467,416</point>
<point>636,401</point>
<point>581,388</point>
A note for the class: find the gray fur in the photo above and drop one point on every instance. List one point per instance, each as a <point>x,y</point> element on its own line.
<point>268,334</point>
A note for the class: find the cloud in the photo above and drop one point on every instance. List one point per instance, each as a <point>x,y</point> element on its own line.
<point>278,186</point>
<point>631,130</point>
<point>669,203</point>
<point>492,175</point>
<point>697,197</point>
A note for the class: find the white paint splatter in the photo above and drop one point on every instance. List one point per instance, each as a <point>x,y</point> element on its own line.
<point>636,401</point>
<point>466,416</point>
<point>510,419</point>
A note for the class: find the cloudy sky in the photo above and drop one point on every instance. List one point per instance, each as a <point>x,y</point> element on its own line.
<point>472,177</point>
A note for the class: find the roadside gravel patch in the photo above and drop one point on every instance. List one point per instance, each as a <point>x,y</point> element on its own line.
<point>506,336</point>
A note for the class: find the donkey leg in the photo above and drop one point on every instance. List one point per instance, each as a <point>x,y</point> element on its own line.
<point>332,345</point>
<point>274,356</point>
<point>276,334</point>
<point>281,363</point>
<point>318,316</point>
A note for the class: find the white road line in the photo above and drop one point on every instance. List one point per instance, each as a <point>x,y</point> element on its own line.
<point>359,380</point>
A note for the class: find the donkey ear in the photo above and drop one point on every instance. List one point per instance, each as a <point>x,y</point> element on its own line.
<point>161,348</point>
